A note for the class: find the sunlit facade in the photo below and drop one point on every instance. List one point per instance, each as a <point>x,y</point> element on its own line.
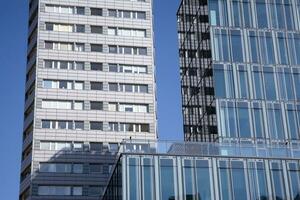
<point>205,171</point>
<point>240,70</point>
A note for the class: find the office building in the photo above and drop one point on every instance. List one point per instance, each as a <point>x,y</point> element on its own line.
<point>240,70</point>
<point>89,84</point>
<point>204,171</point>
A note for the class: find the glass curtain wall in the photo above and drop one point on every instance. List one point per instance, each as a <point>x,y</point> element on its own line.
<point>204,178</point>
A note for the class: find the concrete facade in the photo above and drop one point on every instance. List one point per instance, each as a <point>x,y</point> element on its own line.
<point>59,113</point>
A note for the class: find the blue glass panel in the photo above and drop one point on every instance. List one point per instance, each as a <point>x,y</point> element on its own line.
<point>254,47</point>
<point>294,179</point>
<point>292,124</point>
<point>219,78</point>
<point>247,14</point>
<point>224,184</point>
<point>189,182</point>
<point>297,85</point>
<point>279,124</point>
<point>232,122</point>
<point>258,123</point>
<point>167,179</point>
<point>236,13</point>
<point>257,85</point>
<point>236,46</point>
<point>239,181</point>
<point>244,123</point>
<point>203,181</point>
<point>133,181</point>
<point>261,14</point>
<point>282,48</point>
<point>290,25</point>
<point>278,183</point>
<point>270,86</point>
<point>243,84</point>
<point>148,181</point>
<point>225,46</point>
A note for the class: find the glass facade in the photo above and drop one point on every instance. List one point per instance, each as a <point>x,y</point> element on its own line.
<point>253,58</point>
<point>186,171</point>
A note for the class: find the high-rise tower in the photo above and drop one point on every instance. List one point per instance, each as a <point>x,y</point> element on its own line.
<point>89,84</point>
<point>240,70</point>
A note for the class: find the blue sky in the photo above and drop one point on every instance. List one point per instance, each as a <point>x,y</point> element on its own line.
<point>13,37</point>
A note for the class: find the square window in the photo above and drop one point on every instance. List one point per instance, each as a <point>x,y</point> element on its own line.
<point>46,124</point>
<point>96,11</point>
<point>77,191</point>
<point>96,47</point>
<point>79,125</point>
<point>96,126</point>
<point>96,105</point>
<point>113,87</point>
<point>77,168</point>
<point>80,11</point>
<point>112,13</point>
<point>96,86</point>
<point>113,67</point>
<point>97,29</point>
<point>80,28</point>
<point>112,49</point>
<point>97,66</point>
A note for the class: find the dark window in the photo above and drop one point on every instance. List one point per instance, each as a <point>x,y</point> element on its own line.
<point>96,126</point>
<point>112,49</point>
<point>142,51</point>
<point>48,64</point>
<point>96,86</point>
<point>95,168</point>
<point>112,13</point>
<point>145,128</point>
<point>96,11</point>
<point>94,146</point>
<point>79,125</point>
<point>48,45</point>
<point>96,47</point>
<point>95,105</point>
<point>49,27</point>
<point>143,89</point>
<point>97,29</point>
<point>126,14</point>
<point>141,15</point>
<point>45,124</point>
<point>80,28</point>
<point>80,11</point>
<point>63,65</point>
<point>113,67</point>
<point>95,191</point>
<point>113,87</point>
<point>97,66</point>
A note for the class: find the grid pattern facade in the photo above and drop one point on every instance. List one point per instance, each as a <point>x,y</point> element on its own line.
<point>89,85</point>
<point>198,102</point>
<point>169,177</point>
<point>254,61</point>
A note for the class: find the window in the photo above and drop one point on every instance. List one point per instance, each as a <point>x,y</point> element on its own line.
<point>54,190</point>
<point>112,31</point>
<point>94,146</point>
<point>78,105</point>
<point>96,11</point>
<point>113,67</point>
<point>78,85</point>
<point>46,124</point>
<point>79,28</point>
<point>113,87</point>
<point>80,11</point>
<point>113,126</point>
<point>112,107</point>
<point>55,167</point>
<point>95,168</point>
<point>112,13</point>
<point>78,146</point>
<point>96,126</point>
<point>113,147</point>
<point>96,105</point>
<point>97,29</point>
<point>96,86</point>
<point>77,191</point>
<point>95,191</point>
<point>96,47</point>
<point>112,49</point>
<point>79,125</point>
<point>97,66</point>
<point>55,146</point>
<point>52,104</point>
